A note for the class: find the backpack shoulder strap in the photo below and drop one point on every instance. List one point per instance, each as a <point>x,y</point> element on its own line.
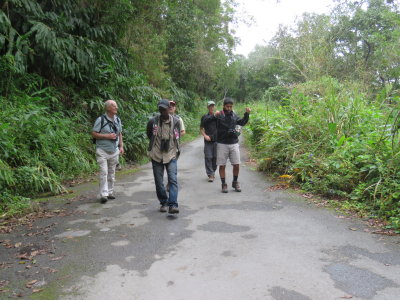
<point>176,121</point>
<point>156,119</point>
<point>102,123</point>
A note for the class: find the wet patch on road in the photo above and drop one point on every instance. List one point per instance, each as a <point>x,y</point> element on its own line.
<point>249,205</point>
<point>143,197</point>
<point>357,282</point>
<point>122,186</point>
<point>387,258</point>
<point>154,240</point>
<point>130,189</point>
<point>249,236</point>
<point>228,254</point>
<point>223,227</point>
<point>170,283</point>
<point>95,236</point>
<point>111,216</point>
<point>280,293</point>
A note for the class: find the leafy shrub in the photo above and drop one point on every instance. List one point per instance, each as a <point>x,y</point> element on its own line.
<point>276,93</point>
<point>334,142</point>
<point>11,205</point>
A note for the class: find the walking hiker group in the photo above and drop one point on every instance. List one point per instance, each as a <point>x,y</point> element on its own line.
<point>220,129</point>
<point>221,132</point>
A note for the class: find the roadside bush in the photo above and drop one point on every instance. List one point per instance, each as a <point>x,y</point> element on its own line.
<point>276,93</point>
<point>11,205</point>
<point>335,142</point>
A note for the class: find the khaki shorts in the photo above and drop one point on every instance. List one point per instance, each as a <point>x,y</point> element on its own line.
<point>225,151</point>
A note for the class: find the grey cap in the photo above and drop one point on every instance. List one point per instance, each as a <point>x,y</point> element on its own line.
<point>210,103</point>
<point>163,103</point>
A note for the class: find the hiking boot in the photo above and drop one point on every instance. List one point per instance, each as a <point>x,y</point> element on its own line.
<point>211,178</point>
<point>110,197</point>
<point>103,199</point>
<point>236,186</point>
<point>224,188</point>
<point>173,210</point>
<point>163,208</point>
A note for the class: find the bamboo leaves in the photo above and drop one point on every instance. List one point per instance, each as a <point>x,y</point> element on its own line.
<point>44,36</point>
<point>61,38</point>
<point>6,175</point>
<point>5,23</point>
<point>29,6</point>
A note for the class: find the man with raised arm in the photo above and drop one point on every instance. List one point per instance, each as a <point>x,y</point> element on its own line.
<point>228,131</point>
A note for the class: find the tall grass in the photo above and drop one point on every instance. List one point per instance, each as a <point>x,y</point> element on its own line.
<point>336,142</point>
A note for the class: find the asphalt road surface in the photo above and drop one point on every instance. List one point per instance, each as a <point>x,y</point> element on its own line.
<point>257,244</point>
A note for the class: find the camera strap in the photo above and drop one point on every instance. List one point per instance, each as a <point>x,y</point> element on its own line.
<point>112,125</point>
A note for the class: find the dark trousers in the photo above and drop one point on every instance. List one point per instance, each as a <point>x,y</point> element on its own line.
<point>210,157</point>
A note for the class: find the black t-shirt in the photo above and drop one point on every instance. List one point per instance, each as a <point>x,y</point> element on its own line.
<point>209,123</point>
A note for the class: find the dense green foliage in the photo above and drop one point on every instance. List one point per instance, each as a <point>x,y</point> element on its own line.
<point>327,88</point>
<point>60,60</point>
<point>329,117</point>
<point>334,142</point>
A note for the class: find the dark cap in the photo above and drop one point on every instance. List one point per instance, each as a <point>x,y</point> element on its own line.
<point>228,101</point>
<point>163,103</point>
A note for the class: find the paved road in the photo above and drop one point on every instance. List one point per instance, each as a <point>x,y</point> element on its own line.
<point>251,245</point>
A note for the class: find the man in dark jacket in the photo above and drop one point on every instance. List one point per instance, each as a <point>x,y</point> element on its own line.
<point>228,130</point>
<point>208,129</point>
<point>163,130</point>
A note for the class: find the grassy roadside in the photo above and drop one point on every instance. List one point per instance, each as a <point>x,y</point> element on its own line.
<point>344,208</point>
<point>348,165</point>
<point>15,206</point>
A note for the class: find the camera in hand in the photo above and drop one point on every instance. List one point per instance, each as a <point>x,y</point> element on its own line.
<point>232,132</point>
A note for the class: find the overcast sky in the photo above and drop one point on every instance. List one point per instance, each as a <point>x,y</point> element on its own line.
<point>268,14</point>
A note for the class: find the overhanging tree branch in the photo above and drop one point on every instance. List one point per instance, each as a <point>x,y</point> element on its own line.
<point>292,64</point>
